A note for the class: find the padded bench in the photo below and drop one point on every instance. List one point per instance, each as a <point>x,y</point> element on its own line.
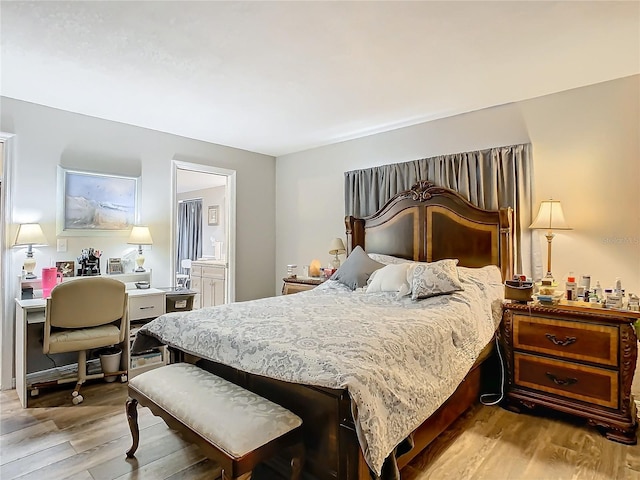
<point>234,427</point>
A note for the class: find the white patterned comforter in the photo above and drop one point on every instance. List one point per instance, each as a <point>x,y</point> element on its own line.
<point>399,359</point>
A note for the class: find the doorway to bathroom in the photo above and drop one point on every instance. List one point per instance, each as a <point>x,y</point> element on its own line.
<point>203,225</point>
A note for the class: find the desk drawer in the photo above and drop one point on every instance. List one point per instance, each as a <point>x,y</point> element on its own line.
<point>146,306</point>
<point>572,340</point>
<point>570,380</point>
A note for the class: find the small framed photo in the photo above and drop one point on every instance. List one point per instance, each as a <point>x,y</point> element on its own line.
<point>213,218</point>
<point>115,266</point>
<point>67,268</point>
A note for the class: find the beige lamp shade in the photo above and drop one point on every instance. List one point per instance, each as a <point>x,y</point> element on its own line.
<point>140,235</point>
<point>550,217</point>
<point>30,234</point>
<point>337,247</point>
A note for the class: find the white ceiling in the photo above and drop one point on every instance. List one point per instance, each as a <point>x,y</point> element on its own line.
<point>281,77</point>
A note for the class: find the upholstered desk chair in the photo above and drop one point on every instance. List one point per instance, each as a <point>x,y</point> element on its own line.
<point>84,314</point>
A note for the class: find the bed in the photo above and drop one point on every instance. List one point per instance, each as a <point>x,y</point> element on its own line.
<point>424,224</point>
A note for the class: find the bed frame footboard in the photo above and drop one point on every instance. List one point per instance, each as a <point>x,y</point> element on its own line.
<point>331,443</point>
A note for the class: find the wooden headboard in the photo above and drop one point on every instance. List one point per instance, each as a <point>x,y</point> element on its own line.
<point>429,223</point>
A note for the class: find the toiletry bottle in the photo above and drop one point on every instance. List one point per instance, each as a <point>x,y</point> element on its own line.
<point>618,289</point>
<point>597,291</point>
<point>571,287</point>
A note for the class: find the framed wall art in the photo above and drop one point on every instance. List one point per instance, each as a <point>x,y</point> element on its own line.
<point>95,203</point>
<point>213,216</point>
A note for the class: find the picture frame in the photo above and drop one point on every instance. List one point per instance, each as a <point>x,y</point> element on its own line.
<point>114,266</point>
<point>67,268</point>
<point>95,204</point>
<point>213,215</point>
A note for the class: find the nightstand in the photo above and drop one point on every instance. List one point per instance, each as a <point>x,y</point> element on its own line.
<point>575,359</point>
<point>300,284</point>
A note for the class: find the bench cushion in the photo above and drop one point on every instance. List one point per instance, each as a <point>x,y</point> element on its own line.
<point>233,419</point>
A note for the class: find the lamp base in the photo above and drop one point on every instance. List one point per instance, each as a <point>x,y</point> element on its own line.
<point>140,262</point>
<point>29,265</point>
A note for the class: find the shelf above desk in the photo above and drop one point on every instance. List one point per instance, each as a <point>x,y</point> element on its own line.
<point>128,279</point>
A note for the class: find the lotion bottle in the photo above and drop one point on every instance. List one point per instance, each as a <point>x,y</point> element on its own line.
<point>618,289</point>
<point>597,291</point>
<point>571,287</point>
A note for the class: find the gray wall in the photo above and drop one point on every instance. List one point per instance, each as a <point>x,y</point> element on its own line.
<point>586,153</point>
<point>48,137</point>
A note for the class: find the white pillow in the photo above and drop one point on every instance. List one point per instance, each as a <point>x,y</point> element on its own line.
<point>388,259</point>
<point>390,278</point>
<point>435,278</point>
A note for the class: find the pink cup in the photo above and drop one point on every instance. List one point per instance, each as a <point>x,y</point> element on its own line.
<point>50,278</point>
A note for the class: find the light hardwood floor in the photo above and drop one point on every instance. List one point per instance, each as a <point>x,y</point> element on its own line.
<point>88,441</point>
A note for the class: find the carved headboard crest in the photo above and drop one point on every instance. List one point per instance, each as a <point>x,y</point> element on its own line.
<point>424,190</point>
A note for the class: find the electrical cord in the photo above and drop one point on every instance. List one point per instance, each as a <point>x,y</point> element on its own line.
<point>55,365</point>
<point>490,399</point>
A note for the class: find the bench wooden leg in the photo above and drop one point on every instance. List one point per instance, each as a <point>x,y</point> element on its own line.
<point>132,417</point>
<point>297,461</point>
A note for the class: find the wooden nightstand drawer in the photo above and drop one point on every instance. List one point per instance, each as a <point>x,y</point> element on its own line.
<point>299,284</point>
<point>578,382</point>
<point>587,342</point>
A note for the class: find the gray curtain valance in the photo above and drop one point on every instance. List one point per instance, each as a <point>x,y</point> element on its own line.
<point>490,179</point>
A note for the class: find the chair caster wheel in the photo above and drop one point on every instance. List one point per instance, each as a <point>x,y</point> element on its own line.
<point>77,399</point>
<point>123,378</point>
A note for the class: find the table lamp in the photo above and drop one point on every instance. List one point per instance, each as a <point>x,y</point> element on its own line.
<point>550,217</point>
<point>30,234</point>
<point>140,235</point>
<point>336,248</point>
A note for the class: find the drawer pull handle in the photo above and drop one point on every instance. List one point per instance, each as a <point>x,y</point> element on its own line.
<point>562,343</point>
<point>147,308</point>
<point>565,382</point>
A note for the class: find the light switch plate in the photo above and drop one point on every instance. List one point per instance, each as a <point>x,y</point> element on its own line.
<point>62,245</point>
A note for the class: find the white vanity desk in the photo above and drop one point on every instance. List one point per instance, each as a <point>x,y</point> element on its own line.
<point>33,366</point>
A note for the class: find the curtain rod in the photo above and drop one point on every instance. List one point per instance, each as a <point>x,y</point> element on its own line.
<point>191,199</point>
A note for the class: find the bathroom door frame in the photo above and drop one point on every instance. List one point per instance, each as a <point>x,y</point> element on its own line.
<point>230,215</point>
